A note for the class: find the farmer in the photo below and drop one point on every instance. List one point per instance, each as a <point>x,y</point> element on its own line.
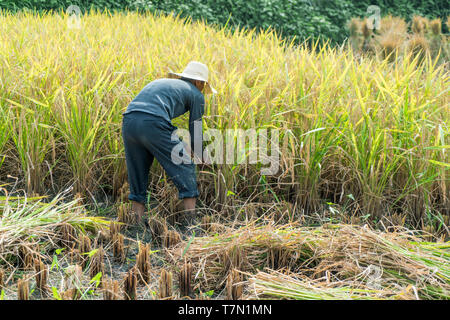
<point>148,133</point>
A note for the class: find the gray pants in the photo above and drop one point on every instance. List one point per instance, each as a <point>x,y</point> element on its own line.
<point>146,137</point>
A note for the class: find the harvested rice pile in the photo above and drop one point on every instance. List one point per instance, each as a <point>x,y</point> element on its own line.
<point>339,261</point>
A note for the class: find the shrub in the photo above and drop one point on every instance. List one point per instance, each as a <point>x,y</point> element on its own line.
<point>292,18</point>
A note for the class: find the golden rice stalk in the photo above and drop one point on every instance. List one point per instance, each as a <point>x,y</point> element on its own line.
<point>68,235</point>
<point>119,247</point>
<point>427,234</point>
<point>418,46</point>
<point>84,246</point>
<point>393,25</point>
<point>171,238</point>
<point>342,250</point>
<point>234,285</point>
<point>354,27</point>
<point>111,289</point>
<point>130,285</point>
<point>97,265</point>
<point>206,223</point>
<point>27,256</point>
<point>74,256</point>
<point>143,263</point>
<point>125,215</point>
<point>123,193</point>
<point>366,31</point>
<point>2,279</point>
<point>23,290</point>
<point>41,270</point>
<point>436,26</point>
<point>158,227</point>
<point>165,284</point>
<point>277,285</point>
<point>390,44</point>
<point>114,229</point>
<point>419,25</point>
<point>185,279</point>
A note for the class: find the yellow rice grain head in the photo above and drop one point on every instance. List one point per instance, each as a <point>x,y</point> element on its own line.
<point>119,247</point>
<point>158,227</point>
<point>111,289</point>
<point>436,27</point>
<point>23,290</point>
<point>393,25</point>
<point>143,263</point>
<point>185,279</point>
<point>419,47</point>
<point>419,25</point>
<point>171,238</point>
<point>165,284</point>
<point>41,270</point>
<point>234,285</point>
<point>390,44</point>
<point>97,264</point>
<point>130,285</point>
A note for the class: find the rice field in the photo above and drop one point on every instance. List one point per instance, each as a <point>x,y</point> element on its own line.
<point>358,210</point>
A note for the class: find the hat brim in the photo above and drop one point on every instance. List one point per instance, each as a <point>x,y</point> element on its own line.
<point>208,87</point>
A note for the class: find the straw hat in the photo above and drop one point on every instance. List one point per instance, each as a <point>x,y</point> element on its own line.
<point>196,71</point>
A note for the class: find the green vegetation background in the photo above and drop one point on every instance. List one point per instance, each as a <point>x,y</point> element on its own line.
<point>301,18</point>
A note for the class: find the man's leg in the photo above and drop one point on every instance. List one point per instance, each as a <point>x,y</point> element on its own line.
<point>182,174</point>
<point>138,160</point>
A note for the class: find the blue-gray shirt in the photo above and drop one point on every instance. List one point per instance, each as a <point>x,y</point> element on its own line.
<point>170,98</point>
